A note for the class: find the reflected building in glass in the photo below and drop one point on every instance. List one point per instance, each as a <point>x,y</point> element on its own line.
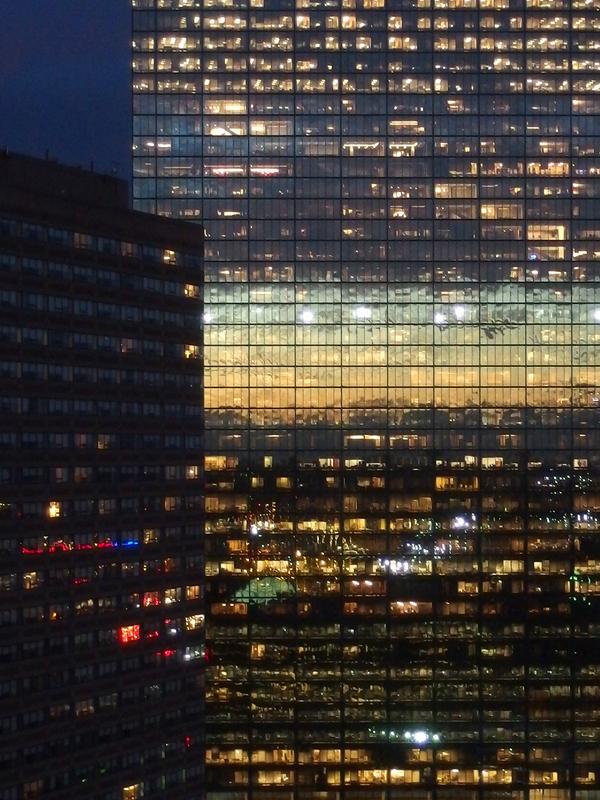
<point>402,386</point>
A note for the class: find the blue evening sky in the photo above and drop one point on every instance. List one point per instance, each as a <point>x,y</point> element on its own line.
<point>64,81</point>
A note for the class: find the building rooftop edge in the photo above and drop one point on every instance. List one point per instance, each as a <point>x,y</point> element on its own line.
<point>51,189</point>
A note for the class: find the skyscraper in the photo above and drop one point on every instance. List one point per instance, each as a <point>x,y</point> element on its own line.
<point>401,365</point>
<point>101,608</point>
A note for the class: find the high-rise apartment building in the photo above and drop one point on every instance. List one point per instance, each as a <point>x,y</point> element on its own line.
<point>402,386</point>
<point>101,610</point>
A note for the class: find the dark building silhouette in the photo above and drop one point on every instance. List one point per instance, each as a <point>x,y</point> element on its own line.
<point>101,620</point>
<point>402,380</point>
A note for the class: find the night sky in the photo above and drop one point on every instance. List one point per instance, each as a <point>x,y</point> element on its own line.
<point>64,81</point>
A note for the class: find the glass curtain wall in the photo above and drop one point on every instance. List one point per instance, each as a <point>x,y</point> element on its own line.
<point>402,511</point>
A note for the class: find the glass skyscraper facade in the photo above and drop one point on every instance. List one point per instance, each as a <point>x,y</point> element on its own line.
<point>402,502</point>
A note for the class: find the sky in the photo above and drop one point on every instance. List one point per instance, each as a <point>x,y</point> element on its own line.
<point>64,81</point>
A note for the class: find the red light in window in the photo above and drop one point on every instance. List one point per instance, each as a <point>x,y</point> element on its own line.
<point>151,599</point>
<point>188,742</point>
<point>105,543</point>
<point>129,633</point>
<point>59,547</point>
<point>152,635</point>
<point>169,653</point>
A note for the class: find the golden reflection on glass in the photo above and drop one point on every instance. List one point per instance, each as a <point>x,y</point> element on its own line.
<point>402,386</point>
